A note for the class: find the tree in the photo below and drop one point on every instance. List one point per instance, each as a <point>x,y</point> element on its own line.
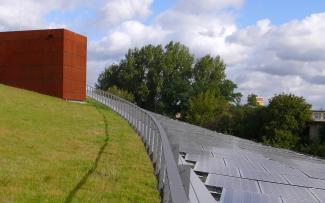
<point>248,121</point>
<point>285,119</point>
<point>163,79</point>
<point>252,100</point>
<point>121,93</point>
<point>108,77</point>
<point>205,107</point>
<point>209,73</point>
<point>177,74</point>
<point>283,139</point>
<point>138,73</point>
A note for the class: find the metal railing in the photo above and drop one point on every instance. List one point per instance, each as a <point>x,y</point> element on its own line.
<point>155,139</point>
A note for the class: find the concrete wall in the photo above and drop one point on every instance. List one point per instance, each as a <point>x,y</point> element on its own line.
<point>51,62</point>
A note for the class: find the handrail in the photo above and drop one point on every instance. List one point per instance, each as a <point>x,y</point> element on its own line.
<point>155,139</point>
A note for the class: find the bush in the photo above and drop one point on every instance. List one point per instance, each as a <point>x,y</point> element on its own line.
<point>283,139</point>
<point>285,120</point>
<point>205,108</point>
<point>315,148</point>
<point>121,93</point>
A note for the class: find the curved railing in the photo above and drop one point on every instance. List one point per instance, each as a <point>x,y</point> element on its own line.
<point>155,139</point>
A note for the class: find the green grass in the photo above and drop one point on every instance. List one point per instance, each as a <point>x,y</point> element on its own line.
<point>56,151</point>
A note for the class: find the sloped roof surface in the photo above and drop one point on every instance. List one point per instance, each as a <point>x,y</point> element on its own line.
<point>246,171</point>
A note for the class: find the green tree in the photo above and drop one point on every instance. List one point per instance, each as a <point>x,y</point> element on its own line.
<point>205,107</point>
<point>283,139</point>
<point>209,73</point>
<point>139,73</point>
<point>121,93</point>
<point>285,119</point>
<point>252,100</point>
<point>177,74</point>
<point>162,79</point>
<point>108,77</point>
<point>247,121</point>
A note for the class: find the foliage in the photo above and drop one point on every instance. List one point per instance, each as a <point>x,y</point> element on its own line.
<point>139,73</point>
<point>223,122</point>
<point>205,107</point>
<point>177,74</point>
<point>248,121</point>
<point>286,116</point>
<point>209,73</point>
<point>283,139</point>
<point>164,79</point>
<point>121,93</point>
<point>316,148</point>
<point>252,100</point>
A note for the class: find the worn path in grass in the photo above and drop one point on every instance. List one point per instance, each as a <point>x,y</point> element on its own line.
<point>56,151</point>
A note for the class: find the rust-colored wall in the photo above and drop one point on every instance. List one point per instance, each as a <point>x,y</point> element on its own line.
<point>51,62</point>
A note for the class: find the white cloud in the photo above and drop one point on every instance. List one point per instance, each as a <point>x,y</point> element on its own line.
<point>266,85</point>
<point>251,35</point>
<point>29,14</point>
<point>129,34</point>
<point>116,11</point>
<point>283,58</point>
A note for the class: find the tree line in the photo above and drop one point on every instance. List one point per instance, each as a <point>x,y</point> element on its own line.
<point>170,80</point>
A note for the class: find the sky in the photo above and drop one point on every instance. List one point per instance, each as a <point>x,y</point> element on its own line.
<point>269,46</point>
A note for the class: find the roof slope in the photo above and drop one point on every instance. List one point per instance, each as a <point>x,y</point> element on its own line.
<point>246,171</point>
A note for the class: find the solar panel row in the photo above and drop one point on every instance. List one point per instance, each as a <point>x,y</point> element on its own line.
<point>245,171</point>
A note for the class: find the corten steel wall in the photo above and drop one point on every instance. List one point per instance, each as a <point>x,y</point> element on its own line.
<point>51,62</point>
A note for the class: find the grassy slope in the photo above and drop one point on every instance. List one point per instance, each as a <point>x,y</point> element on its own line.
<point>49,148</point>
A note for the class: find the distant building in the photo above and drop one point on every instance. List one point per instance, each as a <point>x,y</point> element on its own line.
<point>318,115</point>
<point>316,123</point>
<point>260,101</point>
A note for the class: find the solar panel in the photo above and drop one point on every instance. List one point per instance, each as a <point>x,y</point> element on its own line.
<point>260,175</point>
<point>314,173</point>
<point>276,168</point>
<point>232,183</point>
<point>233,196</point>
<point>305,181</point>
<point>320,194</point>
<point>201,192</point>
<point>248,171</point>
<point>287,200</point>
<point>287,191</point>
<point>213,168</point>
<point>243,164</point>
<point>199,156</point>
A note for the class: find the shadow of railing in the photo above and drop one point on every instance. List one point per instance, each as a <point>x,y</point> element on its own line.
<point>156,142</point>
<point>93,168</point>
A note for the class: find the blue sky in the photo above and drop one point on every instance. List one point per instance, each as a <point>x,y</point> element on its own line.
<point>269,47</point>
<point>278,11</point>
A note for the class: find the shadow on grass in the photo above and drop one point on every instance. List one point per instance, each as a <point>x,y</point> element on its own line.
<point>84,179</point>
